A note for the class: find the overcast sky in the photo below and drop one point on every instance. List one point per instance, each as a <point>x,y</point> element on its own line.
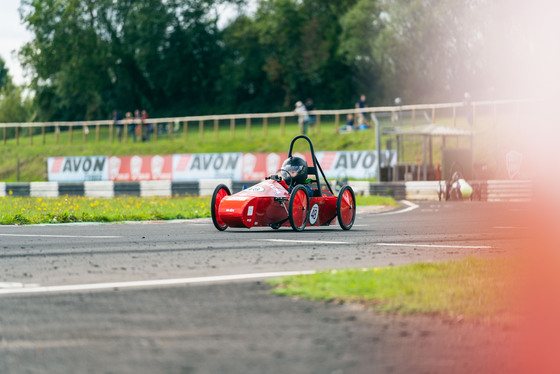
<point>12,36</point>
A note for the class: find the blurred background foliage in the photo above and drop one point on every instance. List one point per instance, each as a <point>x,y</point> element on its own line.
<point>193,57</point>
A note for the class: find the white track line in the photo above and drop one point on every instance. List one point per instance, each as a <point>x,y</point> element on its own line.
<point>148,283</point>
<point>16,285</point>
<point>302,241</point>
<point>434,245</point>
<point>62,236</point>
<point>411,206</point>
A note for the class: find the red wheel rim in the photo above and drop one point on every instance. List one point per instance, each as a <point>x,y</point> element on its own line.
<point>347,207</point>
<point>300,207</point>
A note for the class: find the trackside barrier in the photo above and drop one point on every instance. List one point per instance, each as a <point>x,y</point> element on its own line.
<point>207,186</point>
<point>360,187</point>
<point>71,189</point>
<point>184,188</point>
<point>46,189</point>
<point>396,190</point>
<point>127,189</point>
<point>18,189</point>
<point>493,190</point>
<point>505,190</point>
<point>427,190</point>
<point>99,189</point>
<point>155,188</point>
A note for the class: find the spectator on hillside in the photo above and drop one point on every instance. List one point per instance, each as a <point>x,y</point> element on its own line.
<point>130,125</point>
<point>349,122</point>
<point>349,127</point>
<point>360,122</point>
<point>362,104</point>
<point>147,128</point>
<point>312,118</point>
<point>137,124</point>
<point>303,116</point>
<point>116,118</point>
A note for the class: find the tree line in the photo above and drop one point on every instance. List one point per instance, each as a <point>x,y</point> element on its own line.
<point>179,57</point>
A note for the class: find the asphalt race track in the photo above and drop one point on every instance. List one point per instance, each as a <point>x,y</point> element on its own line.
<point>182,297</point>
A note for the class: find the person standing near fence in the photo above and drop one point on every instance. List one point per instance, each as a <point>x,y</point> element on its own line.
<point>130,125</point>
<point>362,104</point>
<point>138,125</point>
<point>312,118</point>
<point>303,116</point>
<point>116,118</point>
<point>146,127</point>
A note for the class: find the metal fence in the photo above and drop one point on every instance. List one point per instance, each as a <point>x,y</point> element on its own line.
<point>190,126</point>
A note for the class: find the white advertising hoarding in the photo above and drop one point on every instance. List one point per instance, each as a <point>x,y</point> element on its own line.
<point>78,169</point>
<point>194,167</point>
<point>354,164</point>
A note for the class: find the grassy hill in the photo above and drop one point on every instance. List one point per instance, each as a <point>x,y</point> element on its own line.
<point>31,154</point>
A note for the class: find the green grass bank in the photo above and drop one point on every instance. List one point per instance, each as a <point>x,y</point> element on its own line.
<point>478,289</point>
<point>25,160</point>
<point>34,210</point>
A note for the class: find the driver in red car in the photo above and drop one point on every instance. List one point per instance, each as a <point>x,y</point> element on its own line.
<point>294,172</point>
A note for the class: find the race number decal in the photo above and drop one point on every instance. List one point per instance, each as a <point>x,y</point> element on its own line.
<point>314,214</point>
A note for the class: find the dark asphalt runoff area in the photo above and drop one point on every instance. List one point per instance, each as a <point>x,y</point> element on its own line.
<point>182,297</point>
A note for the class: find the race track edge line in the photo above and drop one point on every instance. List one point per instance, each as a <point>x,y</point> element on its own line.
<point>411,206</point>
<point>148,283</point>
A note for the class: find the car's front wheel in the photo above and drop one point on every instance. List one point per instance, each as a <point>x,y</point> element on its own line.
<point>298,208</point>
<point>346,207</point>
<point>220,192</point>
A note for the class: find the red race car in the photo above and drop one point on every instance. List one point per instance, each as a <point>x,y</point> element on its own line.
<point>292,198</point>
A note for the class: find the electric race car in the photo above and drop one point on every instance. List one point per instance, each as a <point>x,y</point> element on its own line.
<point>457,188</point>
<point>292,198</point>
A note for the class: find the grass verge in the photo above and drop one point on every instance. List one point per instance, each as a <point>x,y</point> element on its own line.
<point>33,210</point>
<point>474,289</point>
<point>375,200</point>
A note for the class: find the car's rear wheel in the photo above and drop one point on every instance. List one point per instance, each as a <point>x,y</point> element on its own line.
<point>346,207</point>
<point>298,208</point>
<point>219,193</point>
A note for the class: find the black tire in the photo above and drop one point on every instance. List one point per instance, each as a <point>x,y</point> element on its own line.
<point>298,208</point>
<point>346,207</point>
<point>219,193</point>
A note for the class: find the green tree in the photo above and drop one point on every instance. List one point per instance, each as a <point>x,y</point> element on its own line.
<point>4,74</point>
<point>421,50</point>
<point>14,107</point>
<point>68,58</point>
<point>360,43</point>
<point>90,57</point>
<point>286,52</point>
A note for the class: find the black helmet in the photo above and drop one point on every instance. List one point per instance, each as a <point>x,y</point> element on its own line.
<point>294,171</point>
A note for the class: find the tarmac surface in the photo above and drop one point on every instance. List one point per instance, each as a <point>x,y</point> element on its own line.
<point>182,297</point>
